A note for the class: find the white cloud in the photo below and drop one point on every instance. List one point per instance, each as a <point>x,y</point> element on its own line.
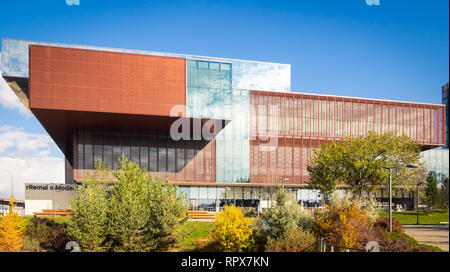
<point>19,141</point>
<point>261,76</point>
<point>28,157</point>
<point>8,99</point>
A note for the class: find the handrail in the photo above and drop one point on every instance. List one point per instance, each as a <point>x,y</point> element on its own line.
<point>324,245</point>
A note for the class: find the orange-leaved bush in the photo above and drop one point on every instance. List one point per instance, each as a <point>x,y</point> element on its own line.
<point>344,224</point>
<point>12,228</point>
<point>383,222</point>
<point>232,230</point>
<point>294,240</point>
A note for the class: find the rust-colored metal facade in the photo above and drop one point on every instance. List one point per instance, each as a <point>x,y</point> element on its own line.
<point>301,122</point>
<point>101,81</point>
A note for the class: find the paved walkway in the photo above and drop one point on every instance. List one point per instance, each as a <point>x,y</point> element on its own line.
<point>436,235</point>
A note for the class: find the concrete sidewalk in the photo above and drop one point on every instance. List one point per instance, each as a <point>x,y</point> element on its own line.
<point>436,235</point>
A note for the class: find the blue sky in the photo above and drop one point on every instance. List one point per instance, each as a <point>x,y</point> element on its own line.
<point>398,50</point>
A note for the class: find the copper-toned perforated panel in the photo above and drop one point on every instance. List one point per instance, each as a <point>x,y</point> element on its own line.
<point>301,122</point>
<point>99,81</point>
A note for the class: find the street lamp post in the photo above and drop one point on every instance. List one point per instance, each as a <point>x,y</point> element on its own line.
<point>390,168</point>
<point>12,180</point>
<point>418,184</point>
<point>390,198</point>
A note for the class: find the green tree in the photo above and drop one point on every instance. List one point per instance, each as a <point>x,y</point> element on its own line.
<point>286,215</point>
<point>432,195</point>
<point>88,225</point>
<point>144,214</point>
<point>167,213</point>
<point>444,193</point>
<point>136,213</point>
<point>128,209</point>
<point>357,162</point>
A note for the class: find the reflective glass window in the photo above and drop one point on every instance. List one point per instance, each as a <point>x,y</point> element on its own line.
<point>212,193</point>
<point>203,193</point>
<point>193,194</point>
<point>185,190</point>
<point>220,192</point>
<point>203,77</point>
<point>80,155</point>
<point>229,193</point>
<point>88,156</point>
<point>192,63</point>
<point>144,157</point>
<point>214,66</point>
<point>192,79</point>
<point>135,154</point>
<point>238,192</point>
<point>203,64</point>
<point>107,155</point>
<point>247,192</point>
<point>225,66</point>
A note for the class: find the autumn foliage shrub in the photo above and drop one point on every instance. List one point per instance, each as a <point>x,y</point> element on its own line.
<point>232,230</point>
<point>388,243</point>
<point>293,241</point>
<point>344,224</point>
<point>12,228</point>
<point>207,244</point>
<point>49,235</point>
<point>383,222</point>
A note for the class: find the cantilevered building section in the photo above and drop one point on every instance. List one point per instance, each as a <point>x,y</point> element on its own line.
<point>99,103</point>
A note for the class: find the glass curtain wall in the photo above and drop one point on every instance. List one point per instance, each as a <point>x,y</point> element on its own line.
<point>186,160</point>
<point>436,160</point>
<point>208,198</point>
<point>209,94</point>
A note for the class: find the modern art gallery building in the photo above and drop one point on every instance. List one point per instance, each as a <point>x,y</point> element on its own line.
<point>225,130</point>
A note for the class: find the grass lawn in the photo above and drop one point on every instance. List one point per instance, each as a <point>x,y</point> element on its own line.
<point>410,217</point>
<point>193,230</point>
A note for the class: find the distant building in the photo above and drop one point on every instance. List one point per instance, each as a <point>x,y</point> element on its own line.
<point>436,159</point>
<point>4,206</point>
<point>445,102</point>
<point>47,196</point>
